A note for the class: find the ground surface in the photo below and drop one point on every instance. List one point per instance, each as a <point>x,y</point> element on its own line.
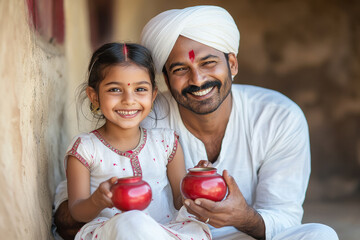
<point>343,216</point>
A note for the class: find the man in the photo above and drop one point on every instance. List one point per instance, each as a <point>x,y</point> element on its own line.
<point>257,136</point>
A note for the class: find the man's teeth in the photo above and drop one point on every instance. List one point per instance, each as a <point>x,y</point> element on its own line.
<point>202,92</point>
<point>127,112</point>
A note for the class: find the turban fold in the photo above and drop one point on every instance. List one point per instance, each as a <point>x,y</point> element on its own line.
<point>209,25</point>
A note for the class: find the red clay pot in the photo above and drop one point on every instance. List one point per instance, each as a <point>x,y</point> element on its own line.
<point>131,193</point>
<point>203,183</point>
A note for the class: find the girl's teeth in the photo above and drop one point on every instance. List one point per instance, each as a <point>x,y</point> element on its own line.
<point>127,112</point>
<point>203,92</point>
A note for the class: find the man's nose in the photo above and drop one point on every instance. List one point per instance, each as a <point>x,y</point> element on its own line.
<point>196,77</point>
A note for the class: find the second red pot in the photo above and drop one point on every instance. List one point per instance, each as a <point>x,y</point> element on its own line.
<point>203,183</point>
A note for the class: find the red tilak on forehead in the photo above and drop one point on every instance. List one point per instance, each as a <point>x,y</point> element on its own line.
<point>128,84</point>
<point>192,55</point>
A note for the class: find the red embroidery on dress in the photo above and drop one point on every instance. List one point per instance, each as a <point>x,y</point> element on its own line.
<point>132,154</point>
<point>207,234</point>
<point>73,152</point>
<point>172,154</point>
<point>170,232</point>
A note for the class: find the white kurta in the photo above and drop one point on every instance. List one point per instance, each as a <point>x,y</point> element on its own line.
<point>265,148</point>
<point>149,159</point>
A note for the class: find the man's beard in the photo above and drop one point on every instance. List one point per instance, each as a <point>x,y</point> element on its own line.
<point>205,106</point>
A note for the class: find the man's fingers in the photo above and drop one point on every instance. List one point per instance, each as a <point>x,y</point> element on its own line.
<point>209,205</point>
<point>230,182</point>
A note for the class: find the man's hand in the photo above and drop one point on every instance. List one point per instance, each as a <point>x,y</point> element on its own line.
<point>233,211</point>
<point>66,226</point>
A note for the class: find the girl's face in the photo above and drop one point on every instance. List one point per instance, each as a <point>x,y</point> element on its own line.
<point>125,96</point>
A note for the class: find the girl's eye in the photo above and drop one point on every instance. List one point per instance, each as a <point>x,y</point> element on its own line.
<point>141,89</point>
<point>114,90</point>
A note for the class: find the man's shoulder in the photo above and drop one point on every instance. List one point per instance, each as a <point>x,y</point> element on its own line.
<point>261,97</point>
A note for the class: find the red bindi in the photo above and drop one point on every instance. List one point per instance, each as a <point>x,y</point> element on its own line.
<point>128,84</point>
<point>192,55</point>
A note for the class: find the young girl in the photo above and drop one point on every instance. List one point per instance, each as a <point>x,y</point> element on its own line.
<point>121,89</point>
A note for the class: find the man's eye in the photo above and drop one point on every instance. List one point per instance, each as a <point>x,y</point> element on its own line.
<point>179,70</point>
<point>209,63</point>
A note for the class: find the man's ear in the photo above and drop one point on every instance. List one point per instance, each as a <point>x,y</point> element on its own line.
<point>166,78</point>
<point>93,97</point>
<point>233,63</point>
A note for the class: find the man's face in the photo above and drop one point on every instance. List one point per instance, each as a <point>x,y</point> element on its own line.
<point>199,77</point>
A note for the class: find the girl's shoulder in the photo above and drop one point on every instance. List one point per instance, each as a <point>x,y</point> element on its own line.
<point>83,140</point>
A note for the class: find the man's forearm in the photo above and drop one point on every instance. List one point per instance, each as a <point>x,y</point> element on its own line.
<point>66,225</point>
<point>254,226</point>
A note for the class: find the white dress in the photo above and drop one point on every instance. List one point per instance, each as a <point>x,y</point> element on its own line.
<point>149,159</point>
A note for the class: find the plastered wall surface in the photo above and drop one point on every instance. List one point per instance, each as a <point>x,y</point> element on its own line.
<point>38,116</point>
<point>31,121</point>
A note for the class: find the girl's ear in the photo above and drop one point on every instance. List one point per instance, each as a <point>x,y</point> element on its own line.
<point>154,94</point>
<point>92,95</point>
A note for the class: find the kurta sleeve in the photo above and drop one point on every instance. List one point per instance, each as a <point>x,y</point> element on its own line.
<point>81,148</point>
<point>284,171</point>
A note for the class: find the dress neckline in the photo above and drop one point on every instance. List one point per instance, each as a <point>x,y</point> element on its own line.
<point>130,153</point>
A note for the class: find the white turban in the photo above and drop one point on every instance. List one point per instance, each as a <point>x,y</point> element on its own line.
<point>209,25</point>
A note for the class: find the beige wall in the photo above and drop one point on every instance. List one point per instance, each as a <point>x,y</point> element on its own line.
<point>37,117</point>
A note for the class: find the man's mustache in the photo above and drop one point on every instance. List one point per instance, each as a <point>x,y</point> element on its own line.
<point>192,88</point>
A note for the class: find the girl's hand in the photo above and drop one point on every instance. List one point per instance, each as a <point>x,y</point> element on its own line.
<point>203,164</point>
<point>102,196</point>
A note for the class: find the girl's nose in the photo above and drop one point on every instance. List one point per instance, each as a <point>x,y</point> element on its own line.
<point>128,98</point>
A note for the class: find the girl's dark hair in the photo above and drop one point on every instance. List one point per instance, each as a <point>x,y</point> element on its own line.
<point>121,54</point>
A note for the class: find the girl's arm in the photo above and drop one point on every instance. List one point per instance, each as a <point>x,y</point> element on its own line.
<point>82,205</point>
<point>175,172</point>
